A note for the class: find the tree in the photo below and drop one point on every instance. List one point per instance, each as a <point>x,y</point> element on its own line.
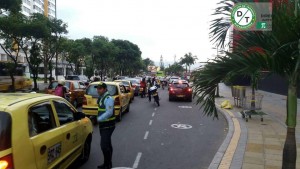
<point>188,60</point>
<point>103,53</point>
<point>11,34</point>
<point>14,6</point>
<point>148,62</point>
<point>51,43</point>
<point>276,51</point>
<point>175,69</point>
<point>127,54</point>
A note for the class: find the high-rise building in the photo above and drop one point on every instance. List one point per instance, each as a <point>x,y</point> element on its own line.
<point>28,7</point>
<point>46,7</point>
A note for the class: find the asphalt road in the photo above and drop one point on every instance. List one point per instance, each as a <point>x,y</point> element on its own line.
<point>146,137</point>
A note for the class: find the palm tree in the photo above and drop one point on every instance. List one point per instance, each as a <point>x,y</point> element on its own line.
<point>277,51</point>
<point>188,60</point>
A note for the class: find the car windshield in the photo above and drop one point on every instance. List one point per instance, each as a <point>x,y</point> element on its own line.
<point>5,131</point>
<point>91,90</point>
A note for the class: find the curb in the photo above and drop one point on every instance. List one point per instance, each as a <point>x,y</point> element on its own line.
<point>236,128</point>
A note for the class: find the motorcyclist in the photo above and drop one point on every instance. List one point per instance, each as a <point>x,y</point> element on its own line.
<point>153,91</point>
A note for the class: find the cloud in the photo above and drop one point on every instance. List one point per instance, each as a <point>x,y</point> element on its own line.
<point>167,28</point>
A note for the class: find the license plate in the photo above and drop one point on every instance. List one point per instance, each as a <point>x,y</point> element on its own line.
<point>180,95</point>
<point>54,152</point>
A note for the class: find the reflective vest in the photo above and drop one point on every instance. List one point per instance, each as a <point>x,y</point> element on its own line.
<point>110,122</point>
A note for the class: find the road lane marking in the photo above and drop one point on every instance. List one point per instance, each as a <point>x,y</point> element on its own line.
<point>146,135</point>
<point>155,109</point>
<point>153,114</point>
<point>137,160</point>
<point>185,107</point>
<point>181,126</point>
<point>150,123</point>
<point>229,153</point>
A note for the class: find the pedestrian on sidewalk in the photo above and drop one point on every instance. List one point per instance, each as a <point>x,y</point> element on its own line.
<point>107,121</point>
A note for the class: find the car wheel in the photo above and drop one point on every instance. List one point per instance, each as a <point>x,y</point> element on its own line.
<point>128,108</point>
<point>170,99</point>
<point>85,154</point>
<point>119,117</point>
<point>190,99</point>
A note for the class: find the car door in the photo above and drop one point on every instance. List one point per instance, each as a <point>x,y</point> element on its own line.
<point>45,136</point>
<point>124,97</point>
<point>70,128</point>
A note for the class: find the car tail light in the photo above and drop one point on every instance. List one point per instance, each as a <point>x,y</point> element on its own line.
<point>84,101</point>
<point>117,101</point>
<point>189,89</point>
<point>6,162</point>
<point>171,90</point>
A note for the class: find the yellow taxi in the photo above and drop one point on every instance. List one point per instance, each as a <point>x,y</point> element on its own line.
<point>116,90</point>
<point>76,91</point>
<point>41,131</point>
<point>128,86</point>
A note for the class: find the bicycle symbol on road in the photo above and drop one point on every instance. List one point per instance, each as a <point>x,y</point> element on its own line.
<point>181,126</point>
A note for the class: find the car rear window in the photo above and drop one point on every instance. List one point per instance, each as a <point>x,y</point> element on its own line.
<point>112,90</point>
<point>181,85</point>
<point>76,85</point>
<point>5,131</point>
<point>53,85</point>
<point>72,78</point>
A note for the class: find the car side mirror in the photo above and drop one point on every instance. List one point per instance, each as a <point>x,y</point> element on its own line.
<point>79,115</point>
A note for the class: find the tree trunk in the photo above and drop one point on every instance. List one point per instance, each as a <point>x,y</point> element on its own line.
<point>45,71</point>
<point>290,148</point>
<point>12,86</point>
<point>217,91</point>
<point>35,87</point>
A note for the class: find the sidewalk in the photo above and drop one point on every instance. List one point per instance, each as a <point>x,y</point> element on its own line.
<point>255,144</point>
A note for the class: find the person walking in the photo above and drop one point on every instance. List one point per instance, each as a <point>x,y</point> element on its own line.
<point>143,86</point>
<point>60,89</point>
<point>107,121</point>
<point>149,84</point>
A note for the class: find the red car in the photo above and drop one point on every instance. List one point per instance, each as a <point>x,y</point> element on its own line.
<point>180,90</point>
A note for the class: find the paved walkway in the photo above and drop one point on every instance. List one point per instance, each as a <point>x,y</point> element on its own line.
<point>255,144</point>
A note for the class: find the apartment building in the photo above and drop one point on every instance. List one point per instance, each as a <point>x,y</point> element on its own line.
<point>48,8</point>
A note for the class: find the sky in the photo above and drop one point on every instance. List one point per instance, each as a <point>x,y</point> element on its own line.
<point>166,28</point>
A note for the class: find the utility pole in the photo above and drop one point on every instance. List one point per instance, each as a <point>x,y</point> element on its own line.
<point>174,59</point>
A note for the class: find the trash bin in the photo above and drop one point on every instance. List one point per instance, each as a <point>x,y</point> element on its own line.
<point>238,93</point>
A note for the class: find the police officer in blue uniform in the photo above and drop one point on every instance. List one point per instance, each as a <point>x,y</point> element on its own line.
<point>106,120</point>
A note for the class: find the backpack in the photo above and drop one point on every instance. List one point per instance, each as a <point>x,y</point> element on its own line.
<point>59,91</point>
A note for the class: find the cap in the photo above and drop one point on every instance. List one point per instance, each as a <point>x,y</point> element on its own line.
<point>101,85</point>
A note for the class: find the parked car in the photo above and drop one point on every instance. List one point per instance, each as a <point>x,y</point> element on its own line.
<point>129,87</point>
<point>135,85</point>
<point>76,91</point>
<point>180,90</point>
<point>40,131</point>
<point>116,90</point>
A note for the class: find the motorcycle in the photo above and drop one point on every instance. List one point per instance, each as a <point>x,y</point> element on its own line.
<point>142,91</point>
<point>155,95</point>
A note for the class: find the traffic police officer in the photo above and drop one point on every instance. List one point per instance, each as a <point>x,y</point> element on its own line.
<point>107,120</point>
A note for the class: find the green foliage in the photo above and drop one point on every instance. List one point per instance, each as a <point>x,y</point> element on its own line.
<point>175,69</point>
<point>188,60</point>
<point>14,6</point>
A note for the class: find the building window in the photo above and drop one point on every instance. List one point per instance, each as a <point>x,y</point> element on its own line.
<point>3,57</point>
